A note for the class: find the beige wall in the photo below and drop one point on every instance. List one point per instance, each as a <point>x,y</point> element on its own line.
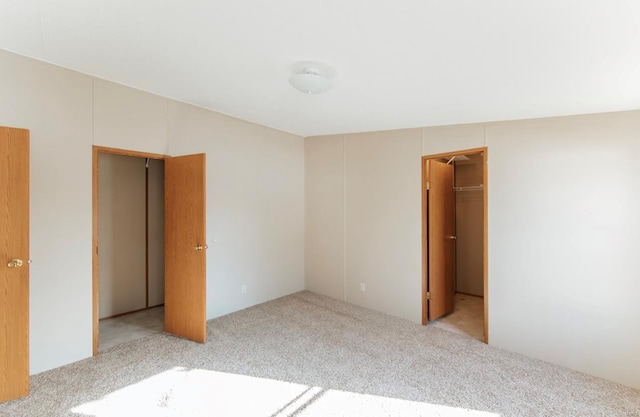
<point>324,208</point>
<point>255,184</point>
<point>564,241</point>
<point>255,206</point>
<point>382,188</point>
<point>122,234</point>
<point>563,231</point>
<point>129,119</point>
<point>56,106</point>
<point>360,223</point>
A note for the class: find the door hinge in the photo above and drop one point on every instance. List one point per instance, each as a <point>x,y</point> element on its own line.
<point>428,185</point>
<point>428,296</point>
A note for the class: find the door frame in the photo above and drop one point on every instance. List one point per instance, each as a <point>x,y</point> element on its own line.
<point>95,252</point>
<point>485,244</point>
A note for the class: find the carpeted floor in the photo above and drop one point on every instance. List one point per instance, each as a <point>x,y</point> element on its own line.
<point>308,355</point>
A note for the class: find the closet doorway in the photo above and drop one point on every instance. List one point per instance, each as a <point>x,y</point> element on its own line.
<point>454,242</point>
<point>131,243</point>
<point>149,246</point>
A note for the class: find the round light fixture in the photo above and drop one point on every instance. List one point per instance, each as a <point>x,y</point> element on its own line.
<point>310,81</point>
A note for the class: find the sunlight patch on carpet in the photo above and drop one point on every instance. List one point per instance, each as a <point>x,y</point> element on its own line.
<point>199,393</point>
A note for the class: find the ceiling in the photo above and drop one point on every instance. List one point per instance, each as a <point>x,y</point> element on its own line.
<point>397,64</point>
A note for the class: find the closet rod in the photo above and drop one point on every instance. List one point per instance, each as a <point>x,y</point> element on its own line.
<point>470,188</point>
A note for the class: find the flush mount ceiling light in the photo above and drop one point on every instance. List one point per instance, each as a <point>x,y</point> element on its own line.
<point>310,80</point>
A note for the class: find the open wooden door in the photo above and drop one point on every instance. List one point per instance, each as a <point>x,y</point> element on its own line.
<point>14,263</point>
<point>185,247</point>
<point>440,239</point>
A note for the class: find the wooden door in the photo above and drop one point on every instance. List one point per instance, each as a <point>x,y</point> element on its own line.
<point>14,263</point>
<point>185,247</point>
<point>440,239</point>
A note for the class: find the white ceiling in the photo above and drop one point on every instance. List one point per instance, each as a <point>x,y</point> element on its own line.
<point>398,64</point>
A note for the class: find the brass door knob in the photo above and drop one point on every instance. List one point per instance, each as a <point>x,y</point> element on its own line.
<point>15,263</point>
<point>200,247</point>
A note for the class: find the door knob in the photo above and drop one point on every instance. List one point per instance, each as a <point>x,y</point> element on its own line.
<point>200,247</point>
<point>15,263</point>
<point>451,237</point>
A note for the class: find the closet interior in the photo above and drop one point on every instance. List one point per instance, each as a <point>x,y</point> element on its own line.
<point>469,191</point>
<point>131,247</point>
<point>468,314</point>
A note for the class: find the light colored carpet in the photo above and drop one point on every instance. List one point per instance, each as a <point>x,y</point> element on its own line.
<point>308,355</point>
<point>134,326</point>
<point>467,317</point>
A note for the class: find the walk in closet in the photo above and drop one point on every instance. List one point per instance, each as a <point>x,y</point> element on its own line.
<point>469,224</point>
<point>454,227</point>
